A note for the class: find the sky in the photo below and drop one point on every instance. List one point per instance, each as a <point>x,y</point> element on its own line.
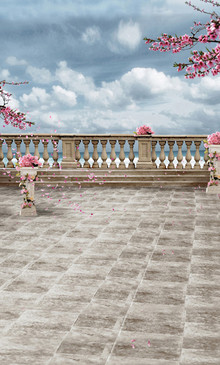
<point>90,71</point>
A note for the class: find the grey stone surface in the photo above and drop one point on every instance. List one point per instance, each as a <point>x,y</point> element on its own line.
<point>110,276</point>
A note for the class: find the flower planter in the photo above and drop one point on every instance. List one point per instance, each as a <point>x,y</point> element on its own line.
<point>28,174</point>
<point>215,189</point>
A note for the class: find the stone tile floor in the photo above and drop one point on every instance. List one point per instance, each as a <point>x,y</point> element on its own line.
<point>136,283</point>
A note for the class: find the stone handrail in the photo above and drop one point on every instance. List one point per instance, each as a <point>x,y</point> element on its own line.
<point>147,154</point>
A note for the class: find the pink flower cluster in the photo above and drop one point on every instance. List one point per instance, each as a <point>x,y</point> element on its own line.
<point>144,130</point>
<point>214,138</point>
<point>29,161</point>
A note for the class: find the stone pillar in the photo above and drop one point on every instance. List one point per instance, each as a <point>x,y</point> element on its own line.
<point>55,153</point>
<point>113,154</point>
<point>95,155</point>
<point>144,153</point>
<point>171,155</point>
<point>131,154</point>
<point>104,154</point>
<point>1,155</point>
<point>28,185</point>
<point>188,155</point>
<point>122,154</point>
<point>197,155</point>
<point>78,155</point>
<point>18,145</point>
<point>68,161</point>
<point>154,155</point>
<point>45,154</point>
<point>179,155</point>
<point>9,153</point>
<point>162,155</point>
<point>86,153</point>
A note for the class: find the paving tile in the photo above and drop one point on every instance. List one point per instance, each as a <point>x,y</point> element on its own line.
<point>162,347</point>
<point>81,287</point>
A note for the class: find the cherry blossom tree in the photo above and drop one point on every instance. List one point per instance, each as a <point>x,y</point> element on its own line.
<point>11,116</point>
<point>200,63</point>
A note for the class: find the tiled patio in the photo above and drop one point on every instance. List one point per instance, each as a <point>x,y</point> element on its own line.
<point>136,283</point>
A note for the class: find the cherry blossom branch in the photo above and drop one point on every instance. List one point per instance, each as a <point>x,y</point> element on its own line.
<point>9,115</point>
<point>201,63</point>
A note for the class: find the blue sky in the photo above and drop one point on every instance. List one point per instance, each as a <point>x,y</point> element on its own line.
<point>89,70</point>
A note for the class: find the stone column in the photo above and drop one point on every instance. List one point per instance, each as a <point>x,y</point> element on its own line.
<point>162,155</point>
<point>122,154</point>
<point>197,155</point>
<point>1,155</point>
<point>86,153</point>
<point>179,155</point>
<point>104,154</point>
<point>95,155</point>
<point>18,145</point>
<point>113,154</point>
<point>55,153</point>
<point>154,155</point>
<point>9,154</point>
<point>188,155</point>
<point>171,155</point>
<point>131,154</point>
<point>144,153</point>
<point>68,146</point>
<point>45,154</point>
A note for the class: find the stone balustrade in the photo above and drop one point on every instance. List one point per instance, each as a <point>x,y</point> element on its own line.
<point>73,143</point>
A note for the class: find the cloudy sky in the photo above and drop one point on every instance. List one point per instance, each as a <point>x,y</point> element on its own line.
<point>89,70</point>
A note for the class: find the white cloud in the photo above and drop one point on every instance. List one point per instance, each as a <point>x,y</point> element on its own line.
<point>128,35</point>
<point>73,80</point>
<point>91,35</point>
<point>206,91</point>
<point>37,98</point>
<point>13,61</point>
<point>64,96</point>
<point>40,75</point>
<point>4,74</point>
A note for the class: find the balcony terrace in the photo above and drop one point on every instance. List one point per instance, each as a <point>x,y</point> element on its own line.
<point>110,276</point>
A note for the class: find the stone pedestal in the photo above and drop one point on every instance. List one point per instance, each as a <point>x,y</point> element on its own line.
<point>29,186</point>
<point>144,152</point>
<point>215,189</point>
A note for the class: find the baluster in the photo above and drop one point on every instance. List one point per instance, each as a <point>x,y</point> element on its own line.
<point>9,154</point>
<point>78,155</point>
<point>45,154</point>
<point>179,155</point>
<point>27,143</point>
<point>86,153</point>
<point>122,154</point>
<point>113,154</point>
<point>104,154</point>
<point>36,143</point>
<point>188,155</point>
<point>95,155</point>
<point>131,154</point>
<point>197,155</point>
<point>18,145</point>
<point>55,153</point>
<point>154,155</point>
<point>1,155</point>
<point>171,155</point>
<point>206,158</point>
<point>162,155</point>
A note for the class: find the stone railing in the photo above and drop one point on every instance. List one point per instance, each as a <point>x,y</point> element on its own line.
<point>147,150</point>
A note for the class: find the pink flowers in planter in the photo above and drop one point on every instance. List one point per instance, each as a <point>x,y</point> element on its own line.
<point>214,138</point>
<point>29,161</point>
<point>143,130</point>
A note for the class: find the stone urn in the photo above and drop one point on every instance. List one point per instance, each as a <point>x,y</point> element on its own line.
<point>215,189</point>
<point>28,207</point>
